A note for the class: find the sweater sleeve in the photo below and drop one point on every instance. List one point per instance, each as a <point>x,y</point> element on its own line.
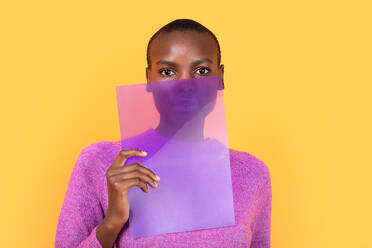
<point>81,210</point>
<point>262,220</point>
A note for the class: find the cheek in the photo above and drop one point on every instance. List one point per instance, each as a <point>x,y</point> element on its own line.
<point>206,94</point>
<point>161,95</point>
<point>162,100</point>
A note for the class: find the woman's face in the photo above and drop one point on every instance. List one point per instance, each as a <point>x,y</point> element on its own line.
<point>179,55</point>
<point>183,55</point>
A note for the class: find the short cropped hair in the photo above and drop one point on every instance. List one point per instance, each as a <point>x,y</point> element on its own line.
<point>183,25</point>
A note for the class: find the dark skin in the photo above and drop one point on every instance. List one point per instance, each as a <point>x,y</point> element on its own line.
<point>174,56</point>
<point>181,55</point>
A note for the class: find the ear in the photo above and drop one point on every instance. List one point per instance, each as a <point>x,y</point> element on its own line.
<point>148,84</point>
<point>148,87</point>
<point>221,86</point>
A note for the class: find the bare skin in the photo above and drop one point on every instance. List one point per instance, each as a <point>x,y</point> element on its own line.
<point>180,55</point>
<point>119,179</point>
<point>176,55</point>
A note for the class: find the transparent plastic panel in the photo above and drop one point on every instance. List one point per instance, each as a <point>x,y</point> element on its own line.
<point>181,125</point>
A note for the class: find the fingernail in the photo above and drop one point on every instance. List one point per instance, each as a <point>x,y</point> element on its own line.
<point>157,178</point>
<point>144,153</point>
<point>156,184</point>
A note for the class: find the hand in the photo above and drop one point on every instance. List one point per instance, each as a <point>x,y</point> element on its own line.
<point>120,178</point>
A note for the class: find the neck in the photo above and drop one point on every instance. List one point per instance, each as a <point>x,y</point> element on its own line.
<point>191,131</point>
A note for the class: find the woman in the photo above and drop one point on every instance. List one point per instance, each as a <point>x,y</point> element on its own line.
<point>96,208</point>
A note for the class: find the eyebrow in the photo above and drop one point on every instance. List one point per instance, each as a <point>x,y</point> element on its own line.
<point>199,61</point>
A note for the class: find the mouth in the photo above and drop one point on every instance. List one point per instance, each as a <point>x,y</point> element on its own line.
<point>185,101</point>
<point>185,105</point>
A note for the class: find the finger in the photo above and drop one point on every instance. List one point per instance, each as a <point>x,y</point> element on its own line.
<point>135,182</point>
<point>124,155</point>
<point>136,174</point>
<point>145,171</point>
<point>134,167</point>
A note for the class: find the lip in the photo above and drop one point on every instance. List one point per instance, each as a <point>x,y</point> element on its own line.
<point>185,102</point>
<point>185,105</point>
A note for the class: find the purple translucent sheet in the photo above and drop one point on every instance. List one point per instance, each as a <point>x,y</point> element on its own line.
<point>181,125</point>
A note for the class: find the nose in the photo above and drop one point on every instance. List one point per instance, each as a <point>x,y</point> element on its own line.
<point>186,86</point>
<point>184,75</point>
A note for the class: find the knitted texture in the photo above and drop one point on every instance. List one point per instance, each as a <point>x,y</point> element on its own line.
<point>86,202</point>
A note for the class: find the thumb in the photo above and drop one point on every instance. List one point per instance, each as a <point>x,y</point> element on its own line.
<point>125,154</point>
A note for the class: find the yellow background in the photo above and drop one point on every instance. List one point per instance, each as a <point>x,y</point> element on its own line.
<point>298,96</point>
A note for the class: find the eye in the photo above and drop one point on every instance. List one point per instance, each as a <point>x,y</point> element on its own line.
<point>167,72</point>
<point>203,70</point>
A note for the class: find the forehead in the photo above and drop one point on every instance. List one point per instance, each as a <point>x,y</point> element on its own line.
<point>182,45</point>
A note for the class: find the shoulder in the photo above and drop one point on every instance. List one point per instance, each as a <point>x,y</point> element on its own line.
<point>244,164</point>
<point>103,146</point>
<point>98,154</point>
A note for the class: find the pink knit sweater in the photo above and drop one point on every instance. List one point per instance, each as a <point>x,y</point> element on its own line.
<point>86,202</point>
